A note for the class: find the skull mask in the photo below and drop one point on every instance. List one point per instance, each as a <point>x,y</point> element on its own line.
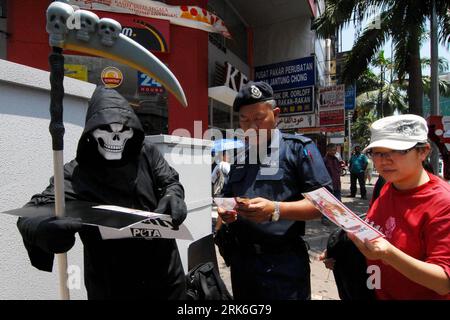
<point>111,140</point>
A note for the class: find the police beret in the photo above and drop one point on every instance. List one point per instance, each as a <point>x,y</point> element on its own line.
<point>252,92</point>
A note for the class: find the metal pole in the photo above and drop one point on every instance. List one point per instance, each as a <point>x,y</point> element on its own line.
<point>434,62</point>
<point>434,95</point>
<point>350,113</point>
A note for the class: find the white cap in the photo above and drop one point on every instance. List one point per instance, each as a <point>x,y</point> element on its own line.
<point>400,132</point>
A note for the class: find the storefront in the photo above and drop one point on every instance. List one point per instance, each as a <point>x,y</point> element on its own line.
<point>209,66</point>
<point>183,49</point>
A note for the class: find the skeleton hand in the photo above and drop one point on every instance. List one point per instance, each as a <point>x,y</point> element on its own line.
<point>51,234</point>
<point>173,206</point>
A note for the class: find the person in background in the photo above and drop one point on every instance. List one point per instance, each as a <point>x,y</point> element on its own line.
<point>219,175</point>
<point>357,166</point>
<point>334,169</point>
<point>369,171</point>
<point>333,166</point>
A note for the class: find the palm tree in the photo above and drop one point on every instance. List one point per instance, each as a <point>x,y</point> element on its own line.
<point>371,87</point>
<point>444,86</point>
<point>380,92</point>
<point>402,21</point>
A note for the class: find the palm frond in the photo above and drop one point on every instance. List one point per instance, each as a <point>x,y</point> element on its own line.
<point>362,52</point>
<point>337,15</point>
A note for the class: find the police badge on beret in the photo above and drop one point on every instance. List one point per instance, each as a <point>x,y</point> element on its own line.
<point>251,93</point>
<point>255,92</point>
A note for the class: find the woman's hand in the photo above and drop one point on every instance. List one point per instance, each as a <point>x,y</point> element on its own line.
<point>376,249</point>
<point>328,262</point>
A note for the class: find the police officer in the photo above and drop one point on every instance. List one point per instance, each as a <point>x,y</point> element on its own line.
<point>268,258</point>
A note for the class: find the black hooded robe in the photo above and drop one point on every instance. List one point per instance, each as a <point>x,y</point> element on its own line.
<point>120,268</point>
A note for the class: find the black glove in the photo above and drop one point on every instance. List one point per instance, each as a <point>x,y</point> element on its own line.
<point>173,206</point>
<point>51,234</point>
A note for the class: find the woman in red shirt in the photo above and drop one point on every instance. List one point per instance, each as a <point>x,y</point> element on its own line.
<point>413,211</point>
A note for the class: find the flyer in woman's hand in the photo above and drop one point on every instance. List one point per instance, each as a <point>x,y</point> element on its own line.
<point>340,215</point>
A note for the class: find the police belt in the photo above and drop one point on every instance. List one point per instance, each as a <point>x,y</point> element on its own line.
<point>279,248</point>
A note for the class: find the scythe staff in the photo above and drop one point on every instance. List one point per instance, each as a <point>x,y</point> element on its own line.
<point>101,38</point>
<point>56,128</point>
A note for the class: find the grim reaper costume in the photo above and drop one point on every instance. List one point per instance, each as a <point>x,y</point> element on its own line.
<point>115,166</point>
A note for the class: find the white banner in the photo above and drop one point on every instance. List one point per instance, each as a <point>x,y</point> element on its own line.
<point>187,16</point>
<point>297,121</point>
<point>331,98</point>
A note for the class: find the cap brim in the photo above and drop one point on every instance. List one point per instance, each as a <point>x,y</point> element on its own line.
<point>391,144</point>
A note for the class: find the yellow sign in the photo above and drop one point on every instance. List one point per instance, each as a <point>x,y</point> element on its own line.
<point>112,77</point>
<point>76,71</point>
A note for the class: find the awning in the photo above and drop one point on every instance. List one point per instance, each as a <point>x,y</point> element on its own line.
<point>223,94</point>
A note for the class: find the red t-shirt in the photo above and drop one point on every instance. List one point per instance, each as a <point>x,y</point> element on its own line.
<point>417,222</point>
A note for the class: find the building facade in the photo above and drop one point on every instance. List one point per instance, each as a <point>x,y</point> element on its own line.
<point>210,67</point>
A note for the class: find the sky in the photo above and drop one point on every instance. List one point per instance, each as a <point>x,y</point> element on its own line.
<point>348,38</point>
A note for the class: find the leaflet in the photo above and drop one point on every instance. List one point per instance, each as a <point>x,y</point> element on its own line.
<point>340,215</point>
<point>155,226</point>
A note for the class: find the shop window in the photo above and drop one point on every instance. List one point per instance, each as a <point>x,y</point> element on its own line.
<point>238,31</point>
<point>147,97</point>
<point>2,8</point>
<point>217,40</point>
<point>221,117</point>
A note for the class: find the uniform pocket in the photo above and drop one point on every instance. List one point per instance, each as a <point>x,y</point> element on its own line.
<point>237,176</point>
<point>271,186</point>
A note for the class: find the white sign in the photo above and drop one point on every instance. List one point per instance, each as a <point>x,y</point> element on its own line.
<point>331,98</point>
<point>297,121</point>
<point>235,79</point>
<point>156,226</point>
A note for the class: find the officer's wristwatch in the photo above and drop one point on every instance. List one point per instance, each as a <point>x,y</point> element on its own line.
<point>276,213</point>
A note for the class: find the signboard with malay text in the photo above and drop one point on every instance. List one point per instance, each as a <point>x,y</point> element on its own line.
<point>288,74</point>
<point>293,85</point>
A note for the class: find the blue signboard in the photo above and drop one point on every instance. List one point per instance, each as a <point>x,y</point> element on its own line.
<point>298,100</point>
<point>350,97</point>
<point>288,74</point>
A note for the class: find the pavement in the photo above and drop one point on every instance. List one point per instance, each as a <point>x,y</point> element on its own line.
<point>323,285</point>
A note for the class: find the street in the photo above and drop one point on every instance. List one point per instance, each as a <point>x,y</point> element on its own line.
<point>323,286</point>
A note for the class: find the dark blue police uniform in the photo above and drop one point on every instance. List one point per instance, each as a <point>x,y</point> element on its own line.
<point>270,260</point>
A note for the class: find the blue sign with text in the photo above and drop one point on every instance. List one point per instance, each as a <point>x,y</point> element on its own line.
<point>300,100</point>
<point>350,97</point>
<point>288,74</point>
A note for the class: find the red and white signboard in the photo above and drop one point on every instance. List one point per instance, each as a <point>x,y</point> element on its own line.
<point>187,16</point>
<point>331,105</point>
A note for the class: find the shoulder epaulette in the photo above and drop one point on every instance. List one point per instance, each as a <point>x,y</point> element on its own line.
<point>297,137</point>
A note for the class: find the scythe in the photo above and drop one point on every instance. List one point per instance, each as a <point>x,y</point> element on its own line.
<point>83,31</point>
